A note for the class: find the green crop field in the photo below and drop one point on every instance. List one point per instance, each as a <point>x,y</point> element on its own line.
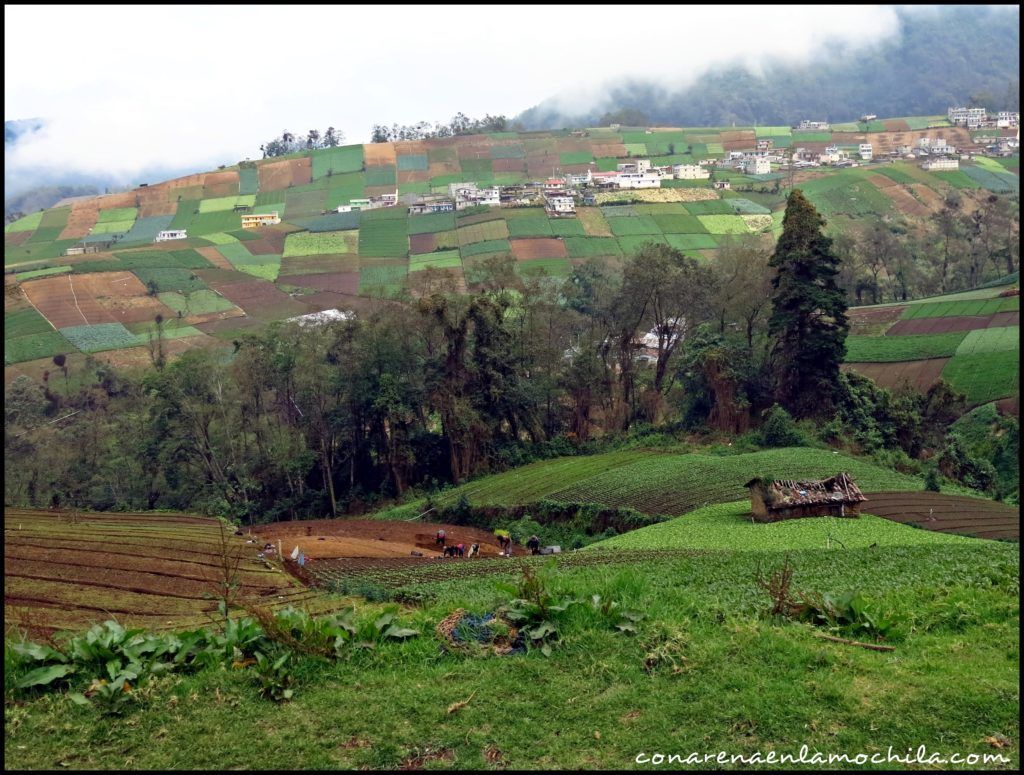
<point>318,243</point>
<point>709,207</point>
<point>638,224</point>
<point>381,176</point>
<point>690,242</point>
<point>728,526</point>
<point>383,238</point>
<point>18,349</point>
<point>985,376</point>
<point>226,203</point>
<point>567,227</point>
<point>723,224</point>
<point>248,181</point>
<point>51,270</point>
<point>382,280</point>
<point>999,181</point>
<point>957,179</point>
<point>990,340</point>
<point>633,243</point>
<point>487,231</point>
<point>539,226</point>
<point>556,267</point>
<point>882,349</point>
<point>201,302</point>
<point>28,222</point>
<point>589,247</point>
<point>118,215</point>
<point>100,336</point>
<point>170,279</point>
<point>25,322</point>
<point>348,158</point>
<point>431,223</point>
<point>413,162</point>
<point>975,307</point>
<point>442,259</point>
<point>680,224</point>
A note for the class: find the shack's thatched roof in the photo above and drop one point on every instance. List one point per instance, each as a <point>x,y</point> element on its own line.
<point>783,493</point>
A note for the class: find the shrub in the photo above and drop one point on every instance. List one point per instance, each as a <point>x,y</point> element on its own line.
<point>779,429</point>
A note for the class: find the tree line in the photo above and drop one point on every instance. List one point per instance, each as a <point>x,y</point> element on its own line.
<point>460,124</point>
<point>424,391</point>
<point>287,142</point>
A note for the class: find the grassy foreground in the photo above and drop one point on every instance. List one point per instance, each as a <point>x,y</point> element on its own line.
<point>707,671</point>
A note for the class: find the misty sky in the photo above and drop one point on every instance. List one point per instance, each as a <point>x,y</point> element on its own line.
<point>125,89</point>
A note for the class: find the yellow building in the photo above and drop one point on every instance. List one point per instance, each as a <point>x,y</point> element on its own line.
<point>256,220</point>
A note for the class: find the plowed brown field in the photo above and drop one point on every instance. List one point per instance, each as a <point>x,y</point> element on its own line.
<point>947,513</point>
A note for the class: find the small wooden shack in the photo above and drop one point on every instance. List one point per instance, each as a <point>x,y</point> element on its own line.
<point>772,500</point>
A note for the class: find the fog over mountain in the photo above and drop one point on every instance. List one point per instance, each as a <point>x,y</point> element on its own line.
<point>937,57</point>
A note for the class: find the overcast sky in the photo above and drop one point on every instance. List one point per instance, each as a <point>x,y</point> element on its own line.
<point>128,88</point>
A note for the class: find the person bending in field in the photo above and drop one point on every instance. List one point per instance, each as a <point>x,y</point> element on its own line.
<point>533,544</point>
<point>460,549</point>
<point>440,538</point>
<point>474,550</point>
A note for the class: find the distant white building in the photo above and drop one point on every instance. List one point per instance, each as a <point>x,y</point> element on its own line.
<point>638,180</point>
<point>559,203</point>
<point>939,165</point>
<point>757,165</point>
<point>255,220</point>
<point>639,167</point>
<point>814,125</point>
<point>469,195</point>
<point>868,117</point>
<point>427,208</point>
<point>866,151</point>
<point>969,117</point>
<point>171,234</point>
<point>690,172</point>
<point>831,155</point>
<point>722,184</point>
<point>1006,119</point>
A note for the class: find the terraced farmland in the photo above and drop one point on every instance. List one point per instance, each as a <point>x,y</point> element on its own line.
<point>66,570</point>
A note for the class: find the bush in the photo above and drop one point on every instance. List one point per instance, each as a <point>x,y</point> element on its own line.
<point>779,429</point>
<point>932,480</point>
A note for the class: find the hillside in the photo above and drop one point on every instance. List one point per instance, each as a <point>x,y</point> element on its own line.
<point>941,55</point>
<point>224,279</point>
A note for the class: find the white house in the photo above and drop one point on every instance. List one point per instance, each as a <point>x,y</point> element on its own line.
<point>171,234</point>
<point>640,166</point>
<point>814,125</point>
<point>468,195</point>
<point>969,117</point>
<point>690,172</point>
<point>939,165</point>
<point>868,117</point>
<point>757,165</point>
<point>559,204</point>
<point>554,184</point>
<point>638,180</point>
<point>866,151</point>
<point>722,184</point>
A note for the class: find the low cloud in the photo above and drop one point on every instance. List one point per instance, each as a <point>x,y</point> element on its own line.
<point>132,89</point>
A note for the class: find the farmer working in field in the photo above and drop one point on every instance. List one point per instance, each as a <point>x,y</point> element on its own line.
<point>533,544</point>
<point>474,550</point>
<point>439,539</point>
<point>504,541</point>
<point>461,549</point>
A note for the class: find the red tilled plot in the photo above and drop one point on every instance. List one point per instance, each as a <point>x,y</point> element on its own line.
<point>15,239</point>
<point>608,150</point>
<point>372,538</point>
<point>1003,319</point>
<point>896,125</point>
<point>413,176</point>
<point>83,217</point>
<point>156,201</point>
<point>279,175</point>
<point>947,513</point>
<point>410,147</point>
<point>541,247</point>
<point>380,155</point>
<point>738,136</point>
<point>422,243</point>
<point>939,325</point>
<point>1009,405</point>
<point>931,199</point>
<point>259,298</point>
<point>338,282</point>
<point>214,256</point>
<point>65,300</point>
<point>69,569</point>
<point>739,145</point>
<point>905,201</point>
<point>114,201</point>
<point>220,184</point>
<point>439,169</point>
<point>270,242</point>
<point>916,374</point>
<point>509,165</point>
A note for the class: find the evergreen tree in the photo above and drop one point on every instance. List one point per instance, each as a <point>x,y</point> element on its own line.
<point>808,320</point>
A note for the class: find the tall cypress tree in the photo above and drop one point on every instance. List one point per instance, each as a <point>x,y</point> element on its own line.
<point>808,320</point>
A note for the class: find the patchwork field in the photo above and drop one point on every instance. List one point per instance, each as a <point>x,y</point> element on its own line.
<point>384,251</point>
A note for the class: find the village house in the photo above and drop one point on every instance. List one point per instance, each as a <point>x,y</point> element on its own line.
<point>638,180</point>
<point>722,185</point>
<point>820,126</point>
<point>554,184</point>
<point>757,165</point>
<point>765,145</point>
<point>638,167</point>
<point>171,234</point>
<point>425,208</point>
<point>773,500</point>
<point>559,203</point>
<point>831,155</point>
<point>1006,119</point>
<point>690,172</point>
<point>972,118</point>
<point>255,220</point>
<point>942,164</point>
<point>468,195</point>
<point>868,117</point>
<point>866,151</point>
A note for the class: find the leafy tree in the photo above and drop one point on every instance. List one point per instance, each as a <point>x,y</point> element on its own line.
<point>808,319</point>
